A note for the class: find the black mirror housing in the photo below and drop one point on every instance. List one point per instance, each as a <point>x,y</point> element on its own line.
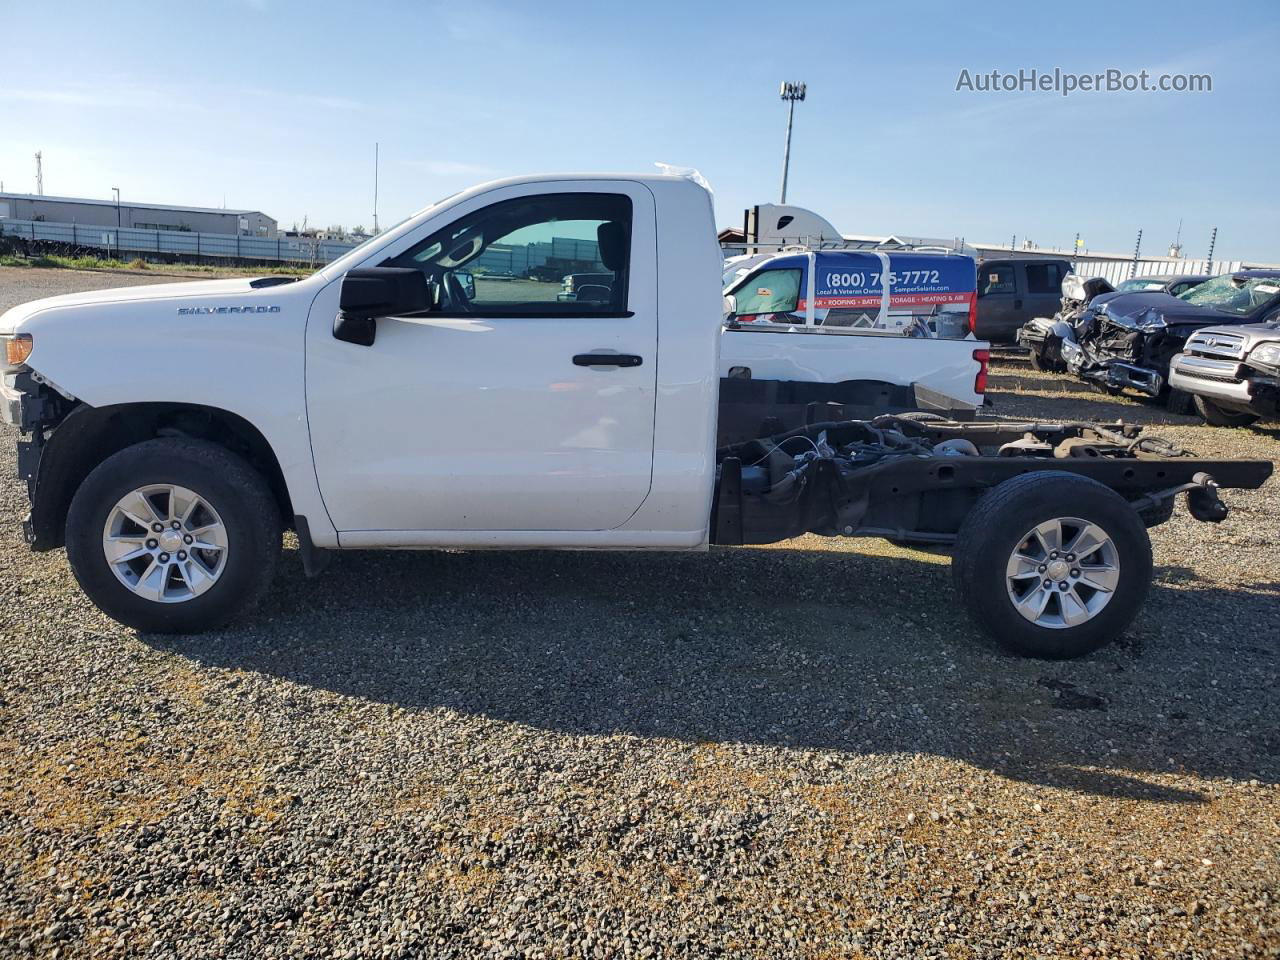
<point>373,292</point>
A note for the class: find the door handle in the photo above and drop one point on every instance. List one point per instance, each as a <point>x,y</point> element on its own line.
<point>607,360</point>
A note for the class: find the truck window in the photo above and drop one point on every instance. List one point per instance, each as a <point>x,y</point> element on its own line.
<point>769,296</point>
<point>996,278</point>
<point>545,255</point>
<point>1044,278</point>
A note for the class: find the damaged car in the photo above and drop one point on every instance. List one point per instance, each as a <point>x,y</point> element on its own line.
<point>1041,336</point>
<point>1126,341</point>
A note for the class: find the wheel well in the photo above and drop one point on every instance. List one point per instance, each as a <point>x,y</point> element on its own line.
<point>89,435</point>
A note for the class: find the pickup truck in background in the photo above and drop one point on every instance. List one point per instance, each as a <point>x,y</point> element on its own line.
<point>170,433</point>
<point>1013,290</point>
<point>1232,373</point>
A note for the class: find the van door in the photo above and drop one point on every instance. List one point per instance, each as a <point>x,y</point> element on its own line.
<point>510,405</point>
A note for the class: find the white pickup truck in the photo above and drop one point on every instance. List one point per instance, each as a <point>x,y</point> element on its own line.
<point>173,432</point>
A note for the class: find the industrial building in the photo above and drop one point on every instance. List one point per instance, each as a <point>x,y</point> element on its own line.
<point>142,216</point>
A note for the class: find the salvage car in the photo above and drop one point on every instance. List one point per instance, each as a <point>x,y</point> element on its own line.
<point>376,404</point>
<point>1042,337</point>
<point>1232,372</point>
<point>1127,340</point>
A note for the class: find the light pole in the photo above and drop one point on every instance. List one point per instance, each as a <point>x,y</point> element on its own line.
<point>791,92</point>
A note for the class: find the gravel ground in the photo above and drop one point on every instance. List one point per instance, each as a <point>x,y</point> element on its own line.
<point>794,751</point>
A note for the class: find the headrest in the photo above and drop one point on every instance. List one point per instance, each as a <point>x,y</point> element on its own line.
<point>612,237</point>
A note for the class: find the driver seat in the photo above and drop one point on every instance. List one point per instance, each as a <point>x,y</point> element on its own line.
<point>611,238</point>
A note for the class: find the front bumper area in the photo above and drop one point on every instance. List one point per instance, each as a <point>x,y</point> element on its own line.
<point>1117,373</point>
<point>1112,373</point>
<point>1227,381</point>
<point>11,402</point>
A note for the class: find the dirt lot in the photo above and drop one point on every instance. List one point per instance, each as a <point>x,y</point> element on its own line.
<point>797,751</point>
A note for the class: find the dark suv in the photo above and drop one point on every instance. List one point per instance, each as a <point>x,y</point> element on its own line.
<point>1012,290</point>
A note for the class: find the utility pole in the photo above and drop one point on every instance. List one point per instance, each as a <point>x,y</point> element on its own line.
<point>375,188</point>
<point>39,173</point>
<point>1133,267</point>
<point>791,92</point>
<point>1213,240</point>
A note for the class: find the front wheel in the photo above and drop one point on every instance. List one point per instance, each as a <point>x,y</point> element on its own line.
<point>1052,565</point>
<point>173,536</point>
<point>1219,416</point>
<point>1179,402</point>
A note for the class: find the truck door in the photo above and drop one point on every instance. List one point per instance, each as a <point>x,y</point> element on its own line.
<point>513,407</point>
<point>1000,303</point>
<point>1043,288</point>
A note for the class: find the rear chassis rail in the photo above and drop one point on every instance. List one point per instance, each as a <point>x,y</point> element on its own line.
<point>924,499</point>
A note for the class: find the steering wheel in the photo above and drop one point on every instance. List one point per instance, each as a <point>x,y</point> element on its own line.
<point>458,299</point>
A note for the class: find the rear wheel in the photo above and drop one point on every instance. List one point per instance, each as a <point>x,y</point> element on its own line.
<point>173,536</point>
<point>1052,565</point>
<point>1220,416</point>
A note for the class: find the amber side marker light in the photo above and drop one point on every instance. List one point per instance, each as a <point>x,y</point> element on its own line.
<point>17,349</point>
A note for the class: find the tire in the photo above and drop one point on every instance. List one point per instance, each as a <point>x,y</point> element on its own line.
<point>1037,362</point>
<point>1179,402</point>
<point>997,527</point>
<point>1219,416</point>
<point>212,586</point>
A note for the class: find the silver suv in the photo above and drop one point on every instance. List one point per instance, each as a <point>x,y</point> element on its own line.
<point>1233,372</point>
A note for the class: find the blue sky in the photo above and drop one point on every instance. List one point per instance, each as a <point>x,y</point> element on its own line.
<point>276,106</point>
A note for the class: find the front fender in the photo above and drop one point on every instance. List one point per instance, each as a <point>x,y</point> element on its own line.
<point>54,467</point>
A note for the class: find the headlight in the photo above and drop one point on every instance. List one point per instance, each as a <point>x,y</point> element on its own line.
<point>1267,354</point>
<point>16,349</point>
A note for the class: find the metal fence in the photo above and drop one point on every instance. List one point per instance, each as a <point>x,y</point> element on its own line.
<point>131,240</point>
<point>1117,271</point>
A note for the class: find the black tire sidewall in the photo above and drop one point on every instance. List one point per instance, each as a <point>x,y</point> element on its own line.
<point>1218,416</point>
<point>984,549</point>
<point>227,483</point>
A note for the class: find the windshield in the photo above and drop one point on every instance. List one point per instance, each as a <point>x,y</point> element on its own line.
<point>1139,284</point>
<point>1234,295</point>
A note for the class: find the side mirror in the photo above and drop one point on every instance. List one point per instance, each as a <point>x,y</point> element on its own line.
<point>730,319</point>
<point>374,292</point>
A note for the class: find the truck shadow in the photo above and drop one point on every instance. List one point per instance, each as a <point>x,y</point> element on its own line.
<point>791,648</point>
